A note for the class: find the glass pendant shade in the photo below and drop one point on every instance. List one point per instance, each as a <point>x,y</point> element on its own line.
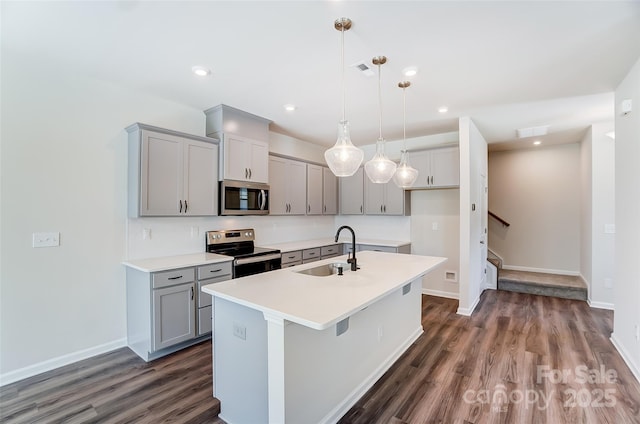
<point>405,174</point>
<point>343,158</point>
<point>380,169</point>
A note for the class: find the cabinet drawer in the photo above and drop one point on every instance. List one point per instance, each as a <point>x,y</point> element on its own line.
<point>311,254</point>
<point>214,270</point>
<point>288,257</point>
<point>204,320</point>
<point>290,264</point>
<point>377,248</point>
<point>173,277</point>
<point>306,261</point>
<point>329,251</point>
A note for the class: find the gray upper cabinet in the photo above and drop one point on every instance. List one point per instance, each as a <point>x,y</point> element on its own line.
<point>244,143</point>
<point>171,173</point>
<point>386,199</point>
<point>288,186</point>
<point>329,192</point>
<point>437,168</point>
<point>314,190</point>
<point>352,194</point>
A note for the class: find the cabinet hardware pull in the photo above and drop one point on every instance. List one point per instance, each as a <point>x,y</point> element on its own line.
<point>308,208</point>
<point>385,208</point>
<point>185,206</point>
<point>191,293</point>
<point>180,206</point>
<point>432,180</point>
<point>325,208</point>
<point>246,173</point>
<point>175,278</point>
<point>291,257</point>
<point>249,173</point>
<point>380,208</point>
<point>216,270</point>
<point>360,208</point>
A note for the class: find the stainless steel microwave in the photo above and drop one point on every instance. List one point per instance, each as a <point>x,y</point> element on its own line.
<point>243,198</point>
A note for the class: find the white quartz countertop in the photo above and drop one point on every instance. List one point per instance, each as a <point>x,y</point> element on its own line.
<point>320,302</point>
<point>310,244</point>
<point>179,261</point>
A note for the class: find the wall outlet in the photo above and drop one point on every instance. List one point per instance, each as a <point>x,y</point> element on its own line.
<point>240,331</point>
<point>195,232</point>
<point>380,333</point>
<point>608,283</point>
<point>146,233</point>
<point>637,333</point>
<point>434,226</point>
<point>46,239</point>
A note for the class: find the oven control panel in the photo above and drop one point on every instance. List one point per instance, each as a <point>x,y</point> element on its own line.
<point>232,236</point>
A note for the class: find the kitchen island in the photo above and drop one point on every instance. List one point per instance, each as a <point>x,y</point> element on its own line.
<point>295,348</point>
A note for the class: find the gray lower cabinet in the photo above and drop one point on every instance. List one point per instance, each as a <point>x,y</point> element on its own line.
<point>310,255</point>
<point>330,251</point>
<point>174,317</point>
<point>209,274</point>
<point>405,248</point>
<point>166,311</point>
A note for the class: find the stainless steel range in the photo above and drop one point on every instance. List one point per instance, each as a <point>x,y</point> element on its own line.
<point>248,259</point>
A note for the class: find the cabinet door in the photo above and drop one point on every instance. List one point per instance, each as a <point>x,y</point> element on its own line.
<point>352,194</point>
<point>236,158</point>
<point>259,162</point>
<point>200,178</point>
<point>329,192</point>
<point>373,198</point>
<point>393,199</point>
<point>314,190</point>
<point>445,167</point>
<point>174,316</point>
<point>422,162</point>
<point>278,186</point>
<point>161,180</point>
<point>297,179</point>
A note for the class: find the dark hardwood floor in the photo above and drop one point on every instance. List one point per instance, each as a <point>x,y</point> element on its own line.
<point>504,364</point>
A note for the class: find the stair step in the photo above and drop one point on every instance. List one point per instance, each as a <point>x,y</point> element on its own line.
<point>496,262</point>
<point>564,286</point>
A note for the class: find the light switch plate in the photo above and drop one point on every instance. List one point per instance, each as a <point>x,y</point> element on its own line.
<point>46,239</point>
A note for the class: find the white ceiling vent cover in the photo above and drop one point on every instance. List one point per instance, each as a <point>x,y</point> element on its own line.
<point>532,131</point>
<point>364,68</point>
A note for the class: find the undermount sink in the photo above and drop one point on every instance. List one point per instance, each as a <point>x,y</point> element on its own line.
<point>326,269</point>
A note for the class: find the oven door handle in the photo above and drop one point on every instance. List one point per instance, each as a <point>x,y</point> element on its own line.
<point>254,259</point>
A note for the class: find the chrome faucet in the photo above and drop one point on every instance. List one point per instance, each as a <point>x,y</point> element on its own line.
<point>352,261</point>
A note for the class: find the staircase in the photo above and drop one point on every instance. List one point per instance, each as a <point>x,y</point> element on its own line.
<point>554,285</point>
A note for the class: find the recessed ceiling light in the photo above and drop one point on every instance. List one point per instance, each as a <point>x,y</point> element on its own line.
<point>290,107</point>
<point>537,143</point>
<point>201,71</point>
<point>443,109</point>
<point>410,71</point>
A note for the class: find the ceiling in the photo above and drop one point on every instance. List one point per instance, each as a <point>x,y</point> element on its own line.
<point>507,65</point>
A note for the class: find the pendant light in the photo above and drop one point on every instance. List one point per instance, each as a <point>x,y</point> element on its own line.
<point>380,168</point>
<point>343,158</point>
<point>405,175</point>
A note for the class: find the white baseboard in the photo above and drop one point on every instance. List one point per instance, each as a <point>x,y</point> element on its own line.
<point>60,361</point>
<point>468,311</point>
<point>600,305</point>
<point>440,293</point>
<point>543,270</point>
<point>635,368</point>
<point>344,406</point>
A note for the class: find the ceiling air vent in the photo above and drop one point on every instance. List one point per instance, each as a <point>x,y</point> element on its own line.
<point>532,131</point>
<point>364,68</point>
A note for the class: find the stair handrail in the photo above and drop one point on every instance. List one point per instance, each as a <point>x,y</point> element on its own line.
<point>500,220</point>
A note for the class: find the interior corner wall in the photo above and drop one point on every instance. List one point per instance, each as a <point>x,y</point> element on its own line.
<point>538,192</point>
<point>626,328</point>
<point>473,172</point>
<point>598,226</point>
<point>586,212</point>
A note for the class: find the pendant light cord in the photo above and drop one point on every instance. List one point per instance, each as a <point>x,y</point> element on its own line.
<point>404,119</point>
<point>344,102</point>
<point>379,102</point>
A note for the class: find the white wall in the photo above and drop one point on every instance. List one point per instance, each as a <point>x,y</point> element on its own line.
<point>597,255</point>
<point>64,170</point>
<point>473,172</point>
<point>627,216</point>
<point>435,231</point>
<point>538,192</point>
